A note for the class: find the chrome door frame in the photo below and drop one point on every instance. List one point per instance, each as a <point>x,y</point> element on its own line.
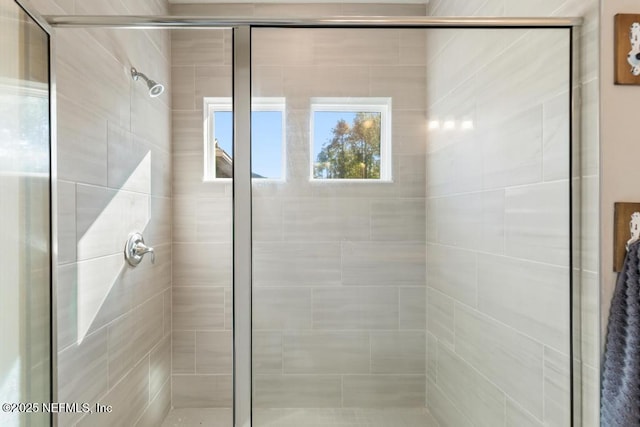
<point>242,200</point>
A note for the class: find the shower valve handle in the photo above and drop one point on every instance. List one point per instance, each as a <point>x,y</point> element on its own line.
<point>135,249</point>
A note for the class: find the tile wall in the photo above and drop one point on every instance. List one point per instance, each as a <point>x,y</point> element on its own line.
<point>114,170</point>
<point>504,308</point>
<point>338,322</point>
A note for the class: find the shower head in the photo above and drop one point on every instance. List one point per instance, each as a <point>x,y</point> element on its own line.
<point>155,88</point>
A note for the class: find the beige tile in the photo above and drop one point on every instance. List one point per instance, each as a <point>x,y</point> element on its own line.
<point>296,264</point>
<point>159,367</point>
<point>329,81</point>
<point>383,390</point>
<point>214,352</point>
<point>537,222</point>
<point>325,219</point>
<point>202,391</point>
<point>198,308</point>
<point>500,84</point>
<point>453,168</point>
<point>267,352</point>
<point>530,297</point>
<point>278,46</point>
<point>66,222</point>
<point>512,149</point>
<point>188,178</point>
<point>398,352</point>
<point>281,308</point>
<point>159,229</point>
<point>364,47</point>
<point>557,388</point>
<point>405,85</point>
<point>412,303</point>
<point>187,131</point>
<point>104,219</point>
<point>158,408</point>
<point>133,335</point>
<point>267,219</point>
<point>84,370</point>
<point>518,417</point>
<point>493,222</point>
<point>214,219</point>
<point>453,272</point>
<point>148,280</point>
<point>473,394</point>
<point>297,391</point>
<point>197,47</point>
<point>444,410</point>
<point>267,81</point>
<point>455,226</point>
<point>508,358</point>
<point>183,352</point>
<point>212,81</point>
<point>82,144</point>
<point>398,219</point>
<point>440,316</point>
<point>413,47</point>
<point>184,219</point>
<point>383,263</point>
<point>196,417</point>
<point>167,312</point>
<point>325,352</point>
<point>183,88</point>
<point>128,161</point>
<point>432,357</point>
<point>409,132</point>
<point>202,264</point>
<point>128,398</point>
<point>102,294</point>
<point>355,308</point>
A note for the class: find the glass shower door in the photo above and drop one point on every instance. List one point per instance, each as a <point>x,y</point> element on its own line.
<point>25,250</point>
<point>411,227</point>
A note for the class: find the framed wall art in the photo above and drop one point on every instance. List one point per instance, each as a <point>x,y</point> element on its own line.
<point>627,49</point>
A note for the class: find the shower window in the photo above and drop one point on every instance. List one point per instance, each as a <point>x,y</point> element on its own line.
<point>351,139</point>
<point>267,138</point>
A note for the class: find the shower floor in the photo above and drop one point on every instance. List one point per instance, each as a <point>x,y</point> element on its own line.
<point>390,417</point>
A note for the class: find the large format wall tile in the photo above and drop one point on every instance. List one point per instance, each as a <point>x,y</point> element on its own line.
<point>536,220</point>
<point>297,391</point>
<point>296,264</point>
<point>202,391</point>
<point>453,272</point>
<point>383,390</point>
<point>384,264</point>
<point>326,352</point>
<point>400,352</point>
<point>472,393</point>
<point>511,360</point>
<point>355,308</point>
<point>198,308</point>
<point>531,297</point>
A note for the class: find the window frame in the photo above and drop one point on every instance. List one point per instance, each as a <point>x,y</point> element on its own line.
<point>380,105</point>
<point>211,105</point>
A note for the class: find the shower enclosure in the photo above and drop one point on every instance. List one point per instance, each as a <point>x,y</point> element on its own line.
<point>366,222</point>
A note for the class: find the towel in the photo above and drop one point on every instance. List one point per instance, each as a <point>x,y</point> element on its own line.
<point>620,397</point>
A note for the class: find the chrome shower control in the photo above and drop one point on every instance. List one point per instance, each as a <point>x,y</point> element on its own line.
<point>135,249</point>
